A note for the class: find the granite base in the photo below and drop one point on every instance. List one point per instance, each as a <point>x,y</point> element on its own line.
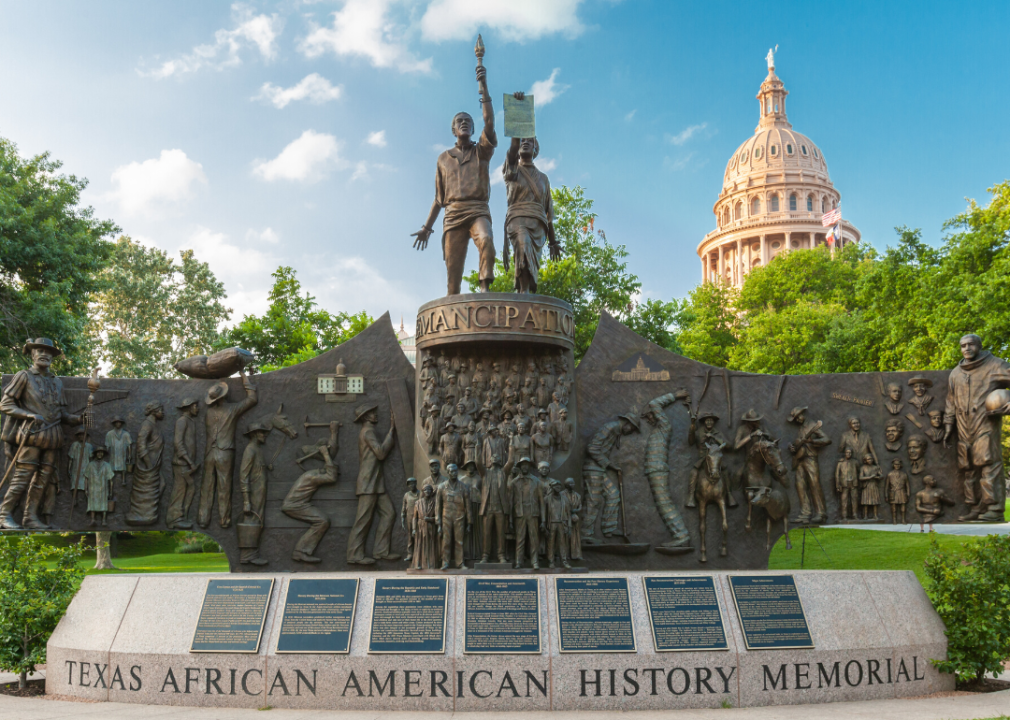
<point>127,639</point>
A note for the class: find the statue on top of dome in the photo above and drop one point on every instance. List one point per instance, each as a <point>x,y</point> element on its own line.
<point>770,57</point>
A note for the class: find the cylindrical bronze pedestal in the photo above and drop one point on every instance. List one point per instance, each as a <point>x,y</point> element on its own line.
<point>492,343</point>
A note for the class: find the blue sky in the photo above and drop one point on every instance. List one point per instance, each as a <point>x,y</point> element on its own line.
<point>306,133</point>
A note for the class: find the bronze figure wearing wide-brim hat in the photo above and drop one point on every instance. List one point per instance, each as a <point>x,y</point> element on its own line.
<point>188,402</point>
<point>41,344</point>
<point>117,419</point>
<point>218,391</point>
<point>796,412</point>
<point>920,379</point>
<point>632,417</point>
<point>362,410</point>
<point>706,414</point>
<point>256,427</point>
<point>751,416</point>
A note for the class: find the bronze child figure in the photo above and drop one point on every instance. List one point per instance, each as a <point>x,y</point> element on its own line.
<point>929,502</point>
<point>897,491</point>
<point>847,484</point>
<point>99,478</point>
<point>869,475</point>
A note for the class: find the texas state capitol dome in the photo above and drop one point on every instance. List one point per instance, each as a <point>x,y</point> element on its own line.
<point>774,192</point>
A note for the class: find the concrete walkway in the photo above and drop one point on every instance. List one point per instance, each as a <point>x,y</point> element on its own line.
<point>951,529</point>
<point>955,706</point>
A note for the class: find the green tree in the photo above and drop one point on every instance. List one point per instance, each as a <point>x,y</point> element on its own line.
<point>33,598</point>
<point>707,324</point>
<point>51,252</point>
<point>152,312</point>
<point>592,276</point>
<point>971,593</point>
<point>294,328</point>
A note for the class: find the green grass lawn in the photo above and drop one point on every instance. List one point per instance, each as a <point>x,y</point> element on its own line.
<point>860,550</point>
<point>147,552</point>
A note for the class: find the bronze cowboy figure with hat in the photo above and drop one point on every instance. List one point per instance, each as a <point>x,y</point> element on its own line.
<point>35,406</point>
<point>805,450</point>
<point>219,458</point>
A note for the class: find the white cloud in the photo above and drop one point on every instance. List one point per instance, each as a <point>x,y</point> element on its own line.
<point>377,138</point>
<point>545,91</point>
<point>680,163</point>
<point>266,235</point>
<point>515,20</point>
<point>259,31</point>
<point>631,115</point>
<point>314,88</point>
<point>365,28</point>
<point>686,134</point>
<point>306,159</point>
<point>142,187</point>
<point>439,149</point>
<point>360,170</point>
<point>349,279</point>
<point>245,271</point>
<point>544,165</point>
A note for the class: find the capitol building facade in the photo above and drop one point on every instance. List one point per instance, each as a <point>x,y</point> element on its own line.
<point>775,191</point>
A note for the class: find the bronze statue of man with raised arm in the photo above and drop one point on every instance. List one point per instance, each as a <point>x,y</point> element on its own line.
<point>463,187</point>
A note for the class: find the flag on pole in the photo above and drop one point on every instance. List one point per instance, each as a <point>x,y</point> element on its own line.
<point>831,218</point>
<point>834,234</point>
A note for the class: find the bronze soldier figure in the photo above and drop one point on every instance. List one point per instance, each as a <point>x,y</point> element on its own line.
<point>35,406</point>
<point>494,497</point>
<point>452,513</point>
<point>463,188</point>
<point>978,432</point>
<point>558,518</point>
<point>528,511</point>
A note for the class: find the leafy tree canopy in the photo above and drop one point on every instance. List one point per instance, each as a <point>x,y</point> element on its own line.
<point>51,253</point>
<point>592,276</point>
<point>294,329</point>
<point>151,312</point>
<point>903,309</point>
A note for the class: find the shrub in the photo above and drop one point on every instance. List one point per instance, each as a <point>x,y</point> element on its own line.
<point>188,548</point>
<point>210,546</point>
<point>33,598</point>
<point>971,593</point>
